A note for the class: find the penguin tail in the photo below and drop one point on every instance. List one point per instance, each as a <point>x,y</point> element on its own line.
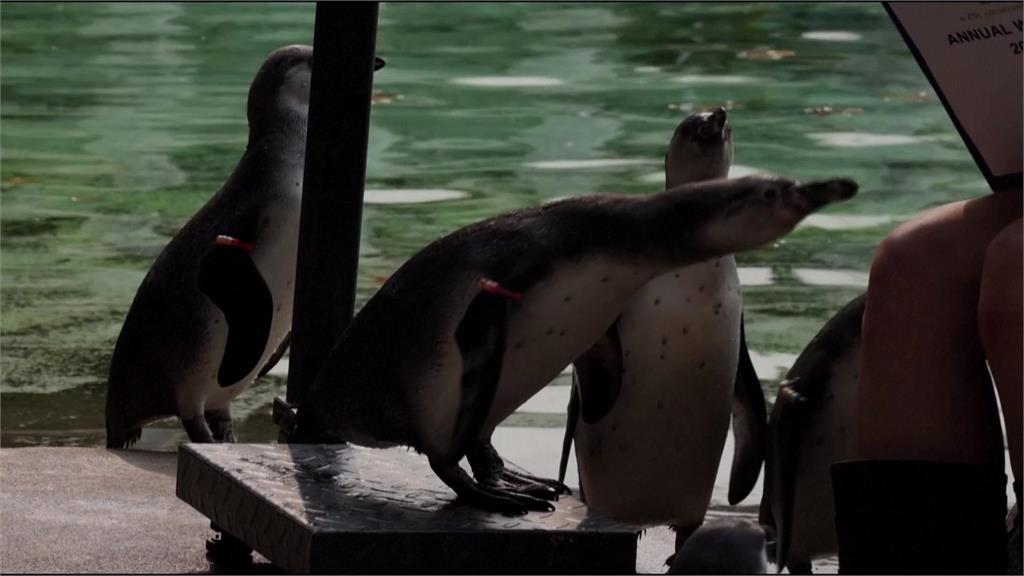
<point>124,426</point>
<point>572,413</point>
<point>121,439</point>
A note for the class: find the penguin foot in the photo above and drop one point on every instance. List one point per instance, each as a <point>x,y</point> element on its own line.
<point>220,425</point>
<point>508,483</point>
<point>801,567</point>
<point>198,430</point>
<point>491,498</point>
<point>490,470</point>
<point>525,484</point>
<point>527,502</point>
<point>513,476</point>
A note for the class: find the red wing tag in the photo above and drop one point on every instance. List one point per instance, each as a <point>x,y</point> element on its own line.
<point>492,287</point>
<point>233,242</point>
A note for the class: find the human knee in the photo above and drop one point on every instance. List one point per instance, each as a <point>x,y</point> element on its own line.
<point>900,263</point>
<point>999,306</point>
<point>1003,255</point>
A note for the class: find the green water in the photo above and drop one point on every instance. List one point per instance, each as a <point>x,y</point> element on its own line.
<point>120,120</point>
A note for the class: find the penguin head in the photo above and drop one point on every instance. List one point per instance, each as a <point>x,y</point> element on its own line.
<point>722,546</point>
<point>281,88</point>
<point>279,95</point>
<point>754,210</point>
<point>701,149</point>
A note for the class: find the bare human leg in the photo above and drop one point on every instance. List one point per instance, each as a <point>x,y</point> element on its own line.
<point>925,393</point>
<point>1001,324</point>
<point>927,494</point>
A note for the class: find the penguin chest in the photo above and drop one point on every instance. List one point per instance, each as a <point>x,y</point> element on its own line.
<point>276,262</point>
<point>274,255</point>
<point>557,320</point>
<point>830,437</point>
<point>655,455</point>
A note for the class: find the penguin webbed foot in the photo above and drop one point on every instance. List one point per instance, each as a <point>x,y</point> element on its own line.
<point>476,494</point>
<point>198,430</point>
<point>220,424</point>
<point>490,470</point>
<point>546,488</point>
<point>682,533</point>
<point>801,567</point>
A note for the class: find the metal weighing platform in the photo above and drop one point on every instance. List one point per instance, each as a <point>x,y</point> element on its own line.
<point>343,509</point>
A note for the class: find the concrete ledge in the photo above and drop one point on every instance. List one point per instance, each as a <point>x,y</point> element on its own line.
<point>91,510</point>
<point>95,510</point>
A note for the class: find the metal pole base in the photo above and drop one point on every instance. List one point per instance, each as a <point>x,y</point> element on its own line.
<point>227,554</point>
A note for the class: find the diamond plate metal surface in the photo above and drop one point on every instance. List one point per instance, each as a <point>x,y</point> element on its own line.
<point>317,508</point>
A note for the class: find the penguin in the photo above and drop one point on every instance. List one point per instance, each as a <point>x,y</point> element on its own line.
<point>812,426</point>
<point>655,393</point>
<point>214,311</point>
<point>478,321</point>
<point>722,546</point>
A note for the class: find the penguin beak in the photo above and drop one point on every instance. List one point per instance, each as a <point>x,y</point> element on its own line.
<point>378,63</point>
<point>814,195</point>
<point>714,125</point>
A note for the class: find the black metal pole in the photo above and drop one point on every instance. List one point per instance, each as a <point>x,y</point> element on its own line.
<point>338,129</point>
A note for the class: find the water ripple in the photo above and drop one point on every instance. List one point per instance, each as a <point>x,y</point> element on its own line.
<point>755,276</point>
<point>508,81</point>
<point>411,195</point>
<point>823,277</point>
<point>831,36</point>
<point>866,139</point>
<point>846,221</point>
<point>589,163</point>
<point>714,79</point>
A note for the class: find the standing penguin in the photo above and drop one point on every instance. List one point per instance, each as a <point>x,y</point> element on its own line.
<point>480,320</point>
<point>654,394</point>
<point>812,426</point>
<point>215,310</point>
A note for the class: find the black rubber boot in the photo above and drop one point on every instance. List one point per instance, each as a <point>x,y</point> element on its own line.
<point>909,517</point>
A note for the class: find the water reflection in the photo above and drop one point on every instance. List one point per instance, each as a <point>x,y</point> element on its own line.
<point>714,79</point>
<point>832,36</point>
<point>411,196</point>
<point>589,164</point>
<point>867,139</point>
<point>508,81</point>
<point>755,276</point>
<point>822,277</point>
<point>847,221</point>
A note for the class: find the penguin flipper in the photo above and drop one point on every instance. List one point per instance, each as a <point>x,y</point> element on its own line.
<point>789,417</point>
<point>277,355</point>
<point>597,375</point>
<point>572,416</point>
<point>229,277</point>
<point>749,425</point>
<point>481,340</point>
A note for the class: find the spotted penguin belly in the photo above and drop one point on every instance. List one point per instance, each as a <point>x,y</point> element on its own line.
<point>830,437</point>
<point>654,457</point>
<point>557,320</point>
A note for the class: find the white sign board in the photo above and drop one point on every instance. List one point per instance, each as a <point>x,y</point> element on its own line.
<point>971,53</point>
